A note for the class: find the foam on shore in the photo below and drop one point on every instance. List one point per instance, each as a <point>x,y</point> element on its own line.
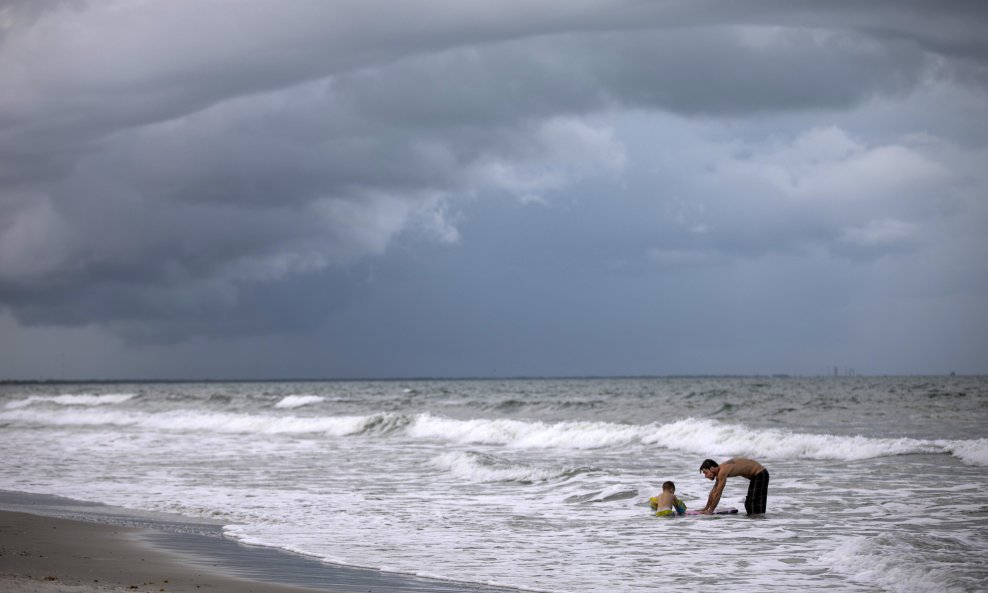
<point>60,544</point>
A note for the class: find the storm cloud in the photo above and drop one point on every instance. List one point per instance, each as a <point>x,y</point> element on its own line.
<point>173,170</point>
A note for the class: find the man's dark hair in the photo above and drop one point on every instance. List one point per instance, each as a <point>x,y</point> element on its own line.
<point>707,464</point>
<point>668,486</point>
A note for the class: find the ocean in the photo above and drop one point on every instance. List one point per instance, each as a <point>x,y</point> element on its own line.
<point>877,483</point>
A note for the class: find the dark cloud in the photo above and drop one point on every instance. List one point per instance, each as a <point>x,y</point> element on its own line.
<point>186,168</point>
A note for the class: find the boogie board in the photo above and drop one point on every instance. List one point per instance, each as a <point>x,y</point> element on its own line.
<point>728,511</point>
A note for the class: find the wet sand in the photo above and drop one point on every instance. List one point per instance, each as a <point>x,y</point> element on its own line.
<point>56,545</point>
<point>43,554</point>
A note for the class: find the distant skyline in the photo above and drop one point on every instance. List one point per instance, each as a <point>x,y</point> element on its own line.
<point>250,189</point>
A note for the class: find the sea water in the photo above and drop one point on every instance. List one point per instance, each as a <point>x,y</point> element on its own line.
<point>877,484</point>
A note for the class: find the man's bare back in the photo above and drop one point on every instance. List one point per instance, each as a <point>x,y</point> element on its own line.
<point>740,466</point>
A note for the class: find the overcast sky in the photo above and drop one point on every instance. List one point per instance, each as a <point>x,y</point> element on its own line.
<point>445,188</point>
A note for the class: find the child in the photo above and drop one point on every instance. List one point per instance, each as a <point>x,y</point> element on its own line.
<point>666,504</point>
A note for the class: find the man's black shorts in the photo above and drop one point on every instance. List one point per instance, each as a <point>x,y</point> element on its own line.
<point>754,503</point>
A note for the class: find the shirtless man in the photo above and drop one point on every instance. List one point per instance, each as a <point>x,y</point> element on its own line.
<point>757,476</point>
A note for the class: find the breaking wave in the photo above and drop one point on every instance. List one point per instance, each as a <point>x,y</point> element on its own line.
<point>476,467</point>
<point>83,399</point>
<point>291,402</point>
<point>217,422</point>
<point>690,435</point>
<point>525,434</point>
<point>707,437</point>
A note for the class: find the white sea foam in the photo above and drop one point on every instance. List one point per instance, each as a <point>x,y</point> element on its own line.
<point>297,401</point>
<point>737,439</point>
<point>974,452</point>
<point>705,437</point>
<point>525,435</point>
<point>694,436</point>
<point>899,562</point>
<point>476,468</point>
<point>217,422</point>
<point>82,399</point>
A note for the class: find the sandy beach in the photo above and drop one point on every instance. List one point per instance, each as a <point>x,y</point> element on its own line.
<point>43,554</point>
<point>55,544</point>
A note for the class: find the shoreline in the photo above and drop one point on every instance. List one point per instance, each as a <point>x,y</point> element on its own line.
<point>51,544</point>
<point>42,554</point>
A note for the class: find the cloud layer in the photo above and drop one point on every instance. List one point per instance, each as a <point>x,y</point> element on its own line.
<point>166,166</point>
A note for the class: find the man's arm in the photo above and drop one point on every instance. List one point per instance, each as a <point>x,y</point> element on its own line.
<point>715,493</point>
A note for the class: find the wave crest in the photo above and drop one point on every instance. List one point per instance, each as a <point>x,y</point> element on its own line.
<point>703,437</point>
<point>384,423</point>
<point>521,434</point>
<point>477,467</point>
<point>184,421</point>
<point>82,399</point>
<point>715,438</point>
<point>291,402</point>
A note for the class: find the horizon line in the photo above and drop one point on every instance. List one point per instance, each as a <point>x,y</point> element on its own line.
<point>480,378</point>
